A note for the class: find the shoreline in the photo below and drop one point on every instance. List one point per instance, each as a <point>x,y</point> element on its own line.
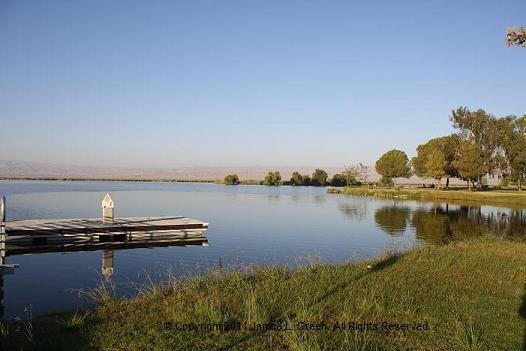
<point>508,197</point>
<point>489,197</point>
<point>329,305</point>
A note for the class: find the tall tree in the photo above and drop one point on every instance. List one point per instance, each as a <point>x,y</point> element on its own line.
<point>436,166</point>
<point>518,162</point>
<point>516,36</point>
<point>448,146</point>
<point>513,142</point>
<point>470,164</point>
<point>508,135</point>
<point>481,129</point>
<point>393,164</point>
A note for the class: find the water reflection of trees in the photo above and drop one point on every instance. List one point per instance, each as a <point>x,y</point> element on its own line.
<point>442,224</point>
<point>354,210</point>
<point>392,219</point>
<point>430,226</point>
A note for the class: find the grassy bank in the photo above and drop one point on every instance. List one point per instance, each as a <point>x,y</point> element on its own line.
<point>467,296</point>
<point>496,197</point>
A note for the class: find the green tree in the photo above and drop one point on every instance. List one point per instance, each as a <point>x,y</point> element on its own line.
<point>448,146</point>
<point>518,162</point>
<point>231,179</point>
<point>319,177</point>
<point>516,36</point>
<point>481,129</point>
<point>436,166</point>
<point>393,164</point>
<point>419,162</point>
<point>339,180</point>
<point>272,179</point>
<point>306,180</point>
<point>296,179</point>
<point>470,164</point>
<point>355,174</point>
<point>513,143</point>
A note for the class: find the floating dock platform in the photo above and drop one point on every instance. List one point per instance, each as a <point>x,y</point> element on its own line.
<point>107,234</point>
<point>88,226</point>
<point>63,235</point>
<point>87,234</point>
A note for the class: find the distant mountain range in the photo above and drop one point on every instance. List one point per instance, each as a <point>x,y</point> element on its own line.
<point>21,169</point>
<point>42,170</point>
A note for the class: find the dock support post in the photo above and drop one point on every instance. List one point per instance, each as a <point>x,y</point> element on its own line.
<point>2,254</point>
<point>107,209</point>
<point>107,264</point>
<point>2,230</point>
<point>2,303</point>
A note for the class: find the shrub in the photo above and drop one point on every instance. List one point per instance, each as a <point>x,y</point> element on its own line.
<point>272,179</point>
<point>319,177</point>
<point>231,179</point>
<point>296,179</point>
<point>339,180</point>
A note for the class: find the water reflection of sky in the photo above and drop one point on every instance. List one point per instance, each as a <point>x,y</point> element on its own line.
<point>248,224</point>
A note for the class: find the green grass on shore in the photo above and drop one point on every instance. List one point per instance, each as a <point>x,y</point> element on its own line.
<point>467,296</point>
<point>496,197</point>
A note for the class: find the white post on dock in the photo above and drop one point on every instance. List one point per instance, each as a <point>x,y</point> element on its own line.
<point>107,209</point>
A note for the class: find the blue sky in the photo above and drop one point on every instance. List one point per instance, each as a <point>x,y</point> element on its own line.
<point>240,83</point>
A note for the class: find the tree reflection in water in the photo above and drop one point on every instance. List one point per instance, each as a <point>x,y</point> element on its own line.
<point>441,224</point>
<point>356,209</point>
<point>392,219</point>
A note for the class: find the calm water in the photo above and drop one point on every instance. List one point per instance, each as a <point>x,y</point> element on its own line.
<point>248,225</point>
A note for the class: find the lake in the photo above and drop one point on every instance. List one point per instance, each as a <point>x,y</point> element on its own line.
<point>249,225</point>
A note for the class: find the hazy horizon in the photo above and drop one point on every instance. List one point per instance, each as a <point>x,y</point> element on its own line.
<point>168,166</point>
<point>238,84</point>
<point>21,169</point>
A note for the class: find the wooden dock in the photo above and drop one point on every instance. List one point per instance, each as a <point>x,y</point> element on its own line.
<point>107,234</point>
<point>88,226</point>
<point>69,235</point>
<point>87,234</point>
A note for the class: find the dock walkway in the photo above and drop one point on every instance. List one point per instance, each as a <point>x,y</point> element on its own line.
<point>41,227</point>
<point>107,232</point>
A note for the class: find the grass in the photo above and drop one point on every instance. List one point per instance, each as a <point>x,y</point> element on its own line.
<point>469,295</point>
<point>496,197</point>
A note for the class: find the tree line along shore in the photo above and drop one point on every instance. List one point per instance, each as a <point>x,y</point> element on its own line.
<point>318,178</point>
<point>483,146</point>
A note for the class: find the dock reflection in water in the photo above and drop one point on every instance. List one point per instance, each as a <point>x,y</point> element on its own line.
<point>118,242</point>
